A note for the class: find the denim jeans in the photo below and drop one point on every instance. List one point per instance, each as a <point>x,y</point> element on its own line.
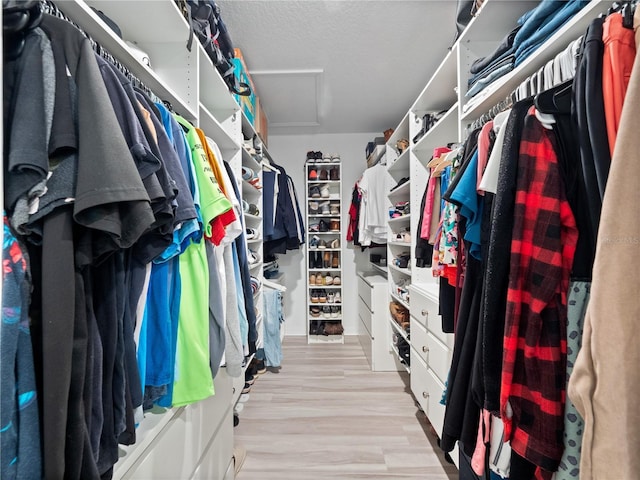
<point>272,319</point>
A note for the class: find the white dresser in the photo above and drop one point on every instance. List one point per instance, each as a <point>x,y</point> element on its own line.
<point>373,312</point>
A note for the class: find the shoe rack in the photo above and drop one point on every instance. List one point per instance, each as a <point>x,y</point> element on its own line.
<point>324,248</point>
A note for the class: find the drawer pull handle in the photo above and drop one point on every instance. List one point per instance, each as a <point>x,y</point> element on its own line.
<point>425,349</point>
<point>424,313</point>
<point>425,395</point>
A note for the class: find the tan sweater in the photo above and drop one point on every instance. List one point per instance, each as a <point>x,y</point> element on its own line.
<point>605,384</point>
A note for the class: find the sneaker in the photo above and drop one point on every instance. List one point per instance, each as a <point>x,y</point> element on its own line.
<point>251,233</point>
<point>324,208</point>
<point>337,280</point>
<point>315,298</point>
<point>247,388</point>
<point>335,243</point>
<point>334,174</point>
<point>318,156</point>
<point>244,397</point>
<point>249,378</point>
<point>238,408</point>
<point>315,240</point>
<point>314,192</point>
<point>322,296</point>
<point>311,157</point>
<point>326,158</point>
<point>322,244</point>
<point>247,173</point>
<point>335,157</point>
<point>335,225</point>
<point>324,192</point>
<point>334,209</point>
<point>328,280</point>
<point>326,312</point>
<point>314,208</point>
<point>313,174</point>
<point>335,312</point>
<point>262,368</point>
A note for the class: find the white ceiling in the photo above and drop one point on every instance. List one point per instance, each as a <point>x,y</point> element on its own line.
<point>339,66</point>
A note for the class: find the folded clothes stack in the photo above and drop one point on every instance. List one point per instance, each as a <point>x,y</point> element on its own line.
<point>532,30</point>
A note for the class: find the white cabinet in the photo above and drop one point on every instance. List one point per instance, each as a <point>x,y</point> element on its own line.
<point>373,312</point>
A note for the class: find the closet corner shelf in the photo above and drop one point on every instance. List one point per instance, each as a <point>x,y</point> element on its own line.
<point>276,278</point>
<point>398,328</point>
<point>405,271</point>
<point>400,165</point>
<point>402,191</point>
<point>401,219</point>
<point>503,86</point>
<point>395,349</point>
<point>255,265</point>
<point>443,132</point>
<point>439,92</point>
<point>249,161</point>
<point>399,300</point>
<point>401,131</point>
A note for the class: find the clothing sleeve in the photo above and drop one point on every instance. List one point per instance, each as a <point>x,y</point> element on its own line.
<point>110,196</point>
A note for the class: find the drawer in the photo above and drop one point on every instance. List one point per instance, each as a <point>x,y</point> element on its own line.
<point>421,306</point>
<point>419,380</point>
<point>435,411</point>
<point>438,357</point>
<point>364,292</point>
<point>365,315</point>
<point>419,339</point>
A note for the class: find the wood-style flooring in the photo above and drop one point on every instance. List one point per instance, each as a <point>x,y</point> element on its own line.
<point>325,415</point>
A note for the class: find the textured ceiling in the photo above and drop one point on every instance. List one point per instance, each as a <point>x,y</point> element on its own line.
<point>339,66</point>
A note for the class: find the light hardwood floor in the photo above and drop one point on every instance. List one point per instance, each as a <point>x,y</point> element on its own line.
<point>326,415</point>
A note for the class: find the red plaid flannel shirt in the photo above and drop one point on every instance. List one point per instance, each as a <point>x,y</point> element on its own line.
<point>535,344</point>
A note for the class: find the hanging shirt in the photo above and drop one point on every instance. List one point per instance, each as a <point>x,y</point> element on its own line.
<point>543,244</point>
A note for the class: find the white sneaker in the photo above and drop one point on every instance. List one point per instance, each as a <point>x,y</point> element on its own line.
<point>244,397</point>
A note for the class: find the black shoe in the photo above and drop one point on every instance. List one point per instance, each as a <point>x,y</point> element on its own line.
<point>323,226</point>
<point>318,155</point>
<point>260,365</point>
<point>236,420</point>
<point>314,192</point>
<point>313,328</point>
<point>247,388</point>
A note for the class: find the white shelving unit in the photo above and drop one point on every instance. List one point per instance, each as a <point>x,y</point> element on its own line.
<point>324,259</point>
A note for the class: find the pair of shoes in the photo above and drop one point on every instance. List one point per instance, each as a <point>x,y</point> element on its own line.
<point>315,260</point>
<point>313,173</point>
<point>261,366</point>
<point>324,208</point>
<point>334,225</point>
<point>247,388</point>
<point>251,233</point>
<point>244,398</point>
<point>239,456</point>
<point>314,156</point>
<point>333,328</point>
<point>314,208</point>
<point>335,260</point>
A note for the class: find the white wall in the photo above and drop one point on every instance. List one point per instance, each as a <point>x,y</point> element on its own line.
<point>290,151</point>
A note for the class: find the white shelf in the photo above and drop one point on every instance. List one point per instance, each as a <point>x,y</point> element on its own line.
<point>494,21</point>
<point>404,271</point>
<point>326,270</point>
<point>81,13</point>
<point>401,165</point>
<point>322,287</point>
<point>440,92</point>
<point>249,161</point>
<point>443,132</point>
<point>222,106</point>
<point>400,132</point>
<point>400,244</point>
<point>319,182</point>
<point>395,349</point>
<point>253,218</point>
<point>324,215</point>
<point>325,249</point>
<point>382,269</point>
<point>503,86</point>
<point>399,300</point>
<point>403,191</point>
<point>398,329</point>
<point>325,338</point>
<point>248,188</point>
<point>255,265</point>
<point>401,219</point>
<point>323,233</point>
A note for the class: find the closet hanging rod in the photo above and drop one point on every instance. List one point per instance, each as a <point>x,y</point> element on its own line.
<point>50,7</point>
<point>273,285</point>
